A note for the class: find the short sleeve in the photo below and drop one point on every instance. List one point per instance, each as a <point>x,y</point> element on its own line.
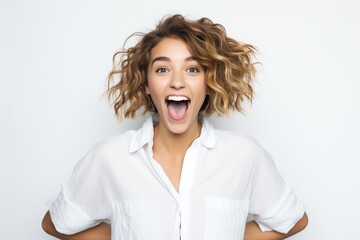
<point>82,203</point>
<point>273,202</point>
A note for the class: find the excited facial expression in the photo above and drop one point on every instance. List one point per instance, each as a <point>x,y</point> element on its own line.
<point>176,83</point>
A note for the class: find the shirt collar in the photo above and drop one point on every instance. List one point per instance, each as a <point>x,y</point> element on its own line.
<point>207,136</point>
<point>142,136</point>
<point>145,134</point>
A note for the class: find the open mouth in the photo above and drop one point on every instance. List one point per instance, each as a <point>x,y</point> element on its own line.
<point>177,106</point>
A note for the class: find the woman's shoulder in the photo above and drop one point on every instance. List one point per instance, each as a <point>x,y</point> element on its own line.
<point>123,144</point>
<point>237,143</point>
<point>237,138</point>
<point>115,144</point>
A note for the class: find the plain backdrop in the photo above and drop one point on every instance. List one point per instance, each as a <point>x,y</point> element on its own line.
<point>55,56</point>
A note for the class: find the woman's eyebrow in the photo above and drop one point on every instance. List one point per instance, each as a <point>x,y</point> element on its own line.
<point>191,58</point>
<point>166,59</point>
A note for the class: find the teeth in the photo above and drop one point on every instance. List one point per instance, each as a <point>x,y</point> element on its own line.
<point>177,98</point>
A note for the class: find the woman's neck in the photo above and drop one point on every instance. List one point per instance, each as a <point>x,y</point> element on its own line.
<point>174,144</point>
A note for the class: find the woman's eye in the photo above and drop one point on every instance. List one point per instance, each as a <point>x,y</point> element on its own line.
<point>161,70</point>
<point>193,70</point>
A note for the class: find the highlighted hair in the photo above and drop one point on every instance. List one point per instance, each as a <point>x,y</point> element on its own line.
<point>228,65</point>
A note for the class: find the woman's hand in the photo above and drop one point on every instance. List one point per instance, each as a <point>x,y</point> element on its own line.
<point>99,232</point>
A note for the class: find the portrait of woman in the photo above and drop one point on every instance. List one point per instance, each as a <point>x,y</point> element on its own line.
<point>168,120</point>
<point>177,177</point>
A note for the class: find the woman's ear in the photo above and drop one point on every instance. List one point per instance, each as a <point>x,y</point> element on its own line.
<point>147,90</point>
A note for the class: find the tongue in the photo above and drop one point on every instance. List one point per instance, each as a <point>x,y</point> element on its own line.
<point>177,109</point>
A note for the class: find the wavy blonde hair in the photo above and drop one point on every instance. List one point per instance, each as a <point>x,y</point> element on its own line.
<point>228,65</point>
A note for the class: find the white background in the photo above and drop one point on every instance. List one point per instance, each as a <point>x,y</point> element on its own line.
<point>55,55</point>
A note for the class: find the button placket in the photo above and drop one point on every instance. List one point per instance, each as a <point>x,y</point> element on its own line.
<point>186,183</point>
<point>186,180</point>
<point>169,186</point>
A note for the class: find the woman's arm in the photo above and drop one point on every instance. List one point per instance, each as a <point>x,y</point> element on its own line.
<point>99,232</point>
<point>253,232</point>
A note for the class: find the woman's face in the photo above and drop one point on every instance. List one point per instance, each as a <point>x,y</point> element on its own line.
<point>176,83</point>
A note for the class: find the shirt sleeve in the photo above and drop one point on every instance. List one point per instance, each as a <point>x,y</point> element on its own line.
<point>81,203</point>
<point>273,202</point>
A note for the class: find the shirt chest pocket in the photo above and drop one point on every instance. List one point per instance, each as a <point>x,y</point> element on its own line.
<point>136,220</point>
<point>225,218</point>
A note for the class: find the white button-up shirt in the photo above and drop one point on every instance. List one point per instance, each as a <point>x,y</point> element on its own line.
<point>225,177</point>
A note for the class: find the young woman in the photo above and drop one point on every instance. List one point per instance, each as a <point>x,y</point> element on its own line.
<point>177,177</point>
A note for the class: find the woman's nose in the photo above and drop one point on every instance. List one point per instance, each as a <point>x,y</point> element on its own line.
<point>177,81</point>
